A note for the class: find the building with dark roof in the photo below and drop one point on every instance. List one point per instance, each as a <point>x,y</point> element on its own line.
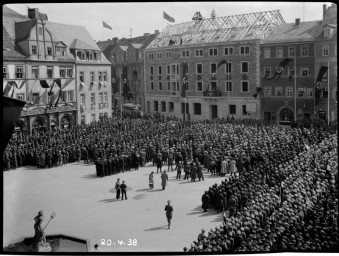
<point>183,77</point>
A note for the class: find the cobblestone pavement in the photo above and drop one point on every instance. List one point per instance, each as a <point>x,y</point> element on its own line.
<point>86,207</point>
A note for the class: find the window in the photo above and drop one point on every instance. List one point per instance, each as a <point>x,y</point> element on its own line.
<point>159,86</point>
<point>69,72</point>
<point>155,106</point>
<point>244,50</point>
<point>267,71</point>
<point>49,72</point>
<point>19,72</point>
<point>82,99</point>
<point>178,86</point>
<point>163,106</point>
<point>152,86</point>
<point>228,67</point>
<point>63,96</point>
<point>83,56</point>
<point>21,96</point>
<point>100,76</point>
<point>244,67</point>
<point>62,72</point>
<point>325,93</point>
<point>185,54</point>
<point>280,52</point>
<point>35,72</point>
<point>36,98</point>
<point>4,72</point>
<point>49,51</point>
<point>326,50</point>
<point>213,52</point>
<point>159,55</point>
<point>70,95</point>
<point>90,56</point>
<point>199,68</point>
<point>199,53</point>
<point>291,71</point>
<point>278,91</point>
<point>92,98</point>
<point>244,86</point>
<point>159,70</point>
<point>168,86</point>
<point>304,71</point>
<point>97,56</point>
<point>244,110</point>
<point>174,86</point>
<point>197,108</point>
<point>105,97</point>
<point>228,86</point>
<point>171,107</point>
<point>93,117</point>
<point>183,108</point>
<point>151,56</point>
<point>104,76</point>
<point>229,51</point>
<point>199,86</point>
<point>268,92</point>
<point>81,76</point>
<point>151,70</point>
<point>101,97</point>
<point>289,91</point>
<point>213,68</point>
<point>327,32</point>
<point>63,52</point>
<point>309,92</point>
<point>267,52</point>
<point>291,52</point>
<point>83,119</point>
<point>168,55</point>
<point>304,51</point>
<point>232,109</point>
<point>168,69</point>
<point>40,30</point>
<point>34,51</point>
<point>300,92</point>
<point>91,76</point>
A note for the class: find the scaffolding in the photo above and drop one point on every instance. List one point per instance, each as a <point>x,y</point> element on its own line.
<point>222,29</point>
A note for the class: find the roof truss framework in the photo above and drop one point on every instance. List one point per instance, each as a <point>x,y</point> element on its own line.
<point>222,29</point>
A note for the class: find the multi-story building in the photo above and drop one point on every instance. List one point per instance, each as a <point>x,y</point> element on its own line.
<point>127,57</point>
<point>92,72</point>
<point>287,72</point>
<point>50,74</point>
<point>326,56</point>
<point>189,53</point>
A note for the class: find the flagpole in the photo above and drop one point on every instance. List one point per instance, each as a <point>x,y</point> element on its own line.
<point>328,93</point>
<point>295,86</point>
<point>102,30</point>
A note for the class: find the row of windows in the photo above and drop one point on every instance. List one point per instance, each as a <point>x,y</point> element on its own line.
<point>174,68</point>
<point>169,107</point>
<point>304,51</point>
<point>83,55</point>
<point>175,86</point>
<point>102,76</point>
<point>243,50</point>
<point>103,115</point>
<point>103,97</point>
<point>66,96</point>
<point>304,71</point>
<point>59,51</point>
<point>19,73</point>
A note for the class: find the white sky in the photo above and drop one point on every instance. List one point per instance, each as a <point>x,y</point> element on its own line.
<point>146,17</point>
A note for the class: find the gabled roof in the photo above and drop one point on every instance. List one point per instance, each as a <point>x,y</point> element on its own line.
<point>137,46</point>
<point>80,45</point>
<point>306,31</point>
<point>124,47</point>
<point>222,29</point>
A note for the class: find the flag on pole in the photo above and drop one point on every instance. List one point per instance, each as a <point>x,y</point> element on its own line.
<point>318,89</point>
<point>167,17</point>
<point>106,25</point>
<point>279,68</point>
<point>221,63</point>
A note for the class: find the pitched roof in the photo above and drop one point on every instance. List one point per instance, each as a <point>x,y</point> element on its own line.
<point>81,45</point>
<point>306,31</point>
<point>8,18</point>
<point>23,29</point>
<point>9,51</point>
<point>222,29</point>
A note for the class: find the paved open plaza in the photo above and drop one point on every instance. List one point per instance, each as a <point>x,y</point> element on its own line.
<point>86,207</point>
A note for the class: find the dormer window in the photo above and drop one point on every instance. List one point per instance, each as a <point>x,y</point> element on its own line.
<point>58,52</point>
<point>83,56</point>
<point>34,51</point>
<point>40,31</point>
<point>327,31</point>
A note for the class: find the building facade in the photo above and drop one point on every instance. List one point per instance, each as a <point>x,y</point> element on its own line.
<point>207,68</point>
<point>287,72</point>
<point>326,57</point>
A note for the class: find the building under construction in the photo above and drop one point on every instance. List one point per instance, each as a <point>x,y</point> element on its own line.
<point>212,65</point>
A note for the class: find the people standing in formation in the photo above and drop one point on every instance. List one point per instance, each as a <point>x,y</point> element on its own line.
<point>286,200</point>
<point>169,213</point>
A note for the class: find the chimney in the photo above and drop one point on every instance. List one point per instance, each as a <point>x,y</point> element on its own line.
<point>115,40</point>
<point>33,13</point>
<point>156,32</point>
<point>324,10</point>
<point>297,22</point>
<point>146,34</point>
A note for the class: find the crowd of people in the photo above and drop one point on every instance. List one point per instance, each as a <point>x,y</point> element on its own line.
<point>282,198</point>
<point>286,202</point>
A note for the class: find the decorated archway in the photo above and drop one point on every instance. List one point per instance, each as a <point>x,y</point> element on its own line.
<point>286,115</point>
<point>39,125</point>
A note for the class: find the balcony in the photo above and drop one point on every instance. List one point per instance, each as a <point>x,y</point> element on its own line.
<point>212,93</point>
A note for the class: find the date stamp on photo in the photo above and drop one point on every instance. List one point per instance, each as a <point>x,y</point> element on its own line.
<point>110,242</point>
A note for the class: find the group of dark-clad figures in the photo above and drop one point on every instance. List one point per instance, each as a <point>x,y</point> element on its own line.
<point>281,195</point>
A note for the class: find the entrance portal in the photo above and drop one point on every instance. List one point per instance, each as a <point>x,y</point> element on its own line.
<point>286,116</point>
<point>214,111</point>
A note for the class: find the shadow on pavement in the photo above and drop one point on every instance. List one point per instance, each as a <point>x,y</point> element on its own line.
<point>142,190</point>
<point>155,190</point>
<point>157,228</point>
<point>199,210</point>
<point>90,176</point>
<point>111,200</point>
<point>138,197</point>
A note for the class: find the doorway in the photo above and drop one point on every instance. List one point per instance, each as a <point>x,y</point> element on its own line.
<point>214,111</point>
